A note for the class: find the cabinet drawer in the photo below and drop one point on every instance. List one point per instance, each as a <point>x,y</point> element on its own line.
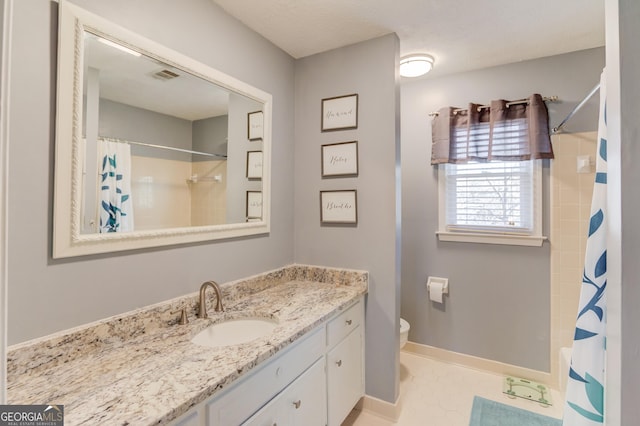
<point>344,323</point>
<point>252,392</point>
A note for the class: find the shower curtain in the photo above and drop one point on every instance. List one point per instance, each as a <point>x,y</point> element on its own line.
<point>584,403</point>
<point>114,185</point>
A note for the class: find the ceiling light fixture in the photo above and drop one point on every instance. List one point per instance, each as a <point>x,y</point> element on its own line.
<point>416,65</point>
<point>119,47</point>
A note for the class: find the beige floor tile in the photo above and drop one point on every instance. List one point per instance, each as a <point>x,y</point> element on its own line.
<point>362,418</point>
<point>435,393</point>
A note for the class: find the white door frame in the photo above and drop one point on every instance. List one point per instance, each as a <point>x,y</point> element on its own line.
<point>613,373</point>
<point>7,9</point>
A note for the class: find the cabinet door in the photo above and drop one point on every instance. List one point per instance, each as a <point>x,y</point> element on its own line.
<point>269,415</point>
<point>345,377</point>
<point>305,401</point>
<point>190,419</point>
<point>302,403</point>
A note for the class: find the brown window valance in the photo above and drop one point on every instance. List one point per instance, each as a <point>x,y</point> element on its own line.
<point>505,131</point>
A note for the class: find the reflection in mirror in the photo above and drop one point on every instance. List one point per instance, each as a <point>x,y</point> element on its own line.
<point>156,143</point>
<point>152,147</point>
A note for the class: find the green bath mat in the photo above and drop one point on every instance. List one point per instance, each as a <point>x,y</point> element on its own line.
<point>492,413</point>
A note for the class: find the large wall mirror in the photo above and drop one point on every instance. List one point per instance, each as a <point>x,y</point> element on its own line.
<point>152,147</point>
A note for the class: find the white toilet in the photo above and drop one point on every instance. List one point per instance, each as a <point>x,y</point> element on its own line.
<point>404,332</point>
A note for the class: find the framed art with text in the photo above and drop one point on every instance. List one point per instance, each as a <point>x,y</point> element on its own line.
<point>255,122</point>
<point>254,164</point>
<point>339,207</point>
<point>340,159</point>
<point>254,205</point>
<point>340,113</point>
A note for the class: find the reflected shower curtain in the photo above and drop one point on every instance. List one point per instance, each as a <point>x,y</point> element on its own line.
<point>585,387</point>
<point>114,185</point>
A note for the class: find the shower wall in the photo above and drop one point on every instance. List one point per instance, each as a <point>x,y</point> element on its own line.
<point>571,194</point>
<point>160,193</point>
<point>165,196</point>
<point>209,197</point>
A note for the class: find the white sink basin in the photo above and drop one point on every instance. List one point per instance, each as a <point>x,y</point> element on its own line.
<point>234,331</point>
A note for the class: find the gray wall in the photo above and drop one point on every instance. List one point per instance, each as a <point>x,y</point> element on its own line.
<point>628,154</point>
<point>367,69</point>
<point>49,295</point>
<point>122,121</point>
<point>210,135</point>
<point>499,302</point>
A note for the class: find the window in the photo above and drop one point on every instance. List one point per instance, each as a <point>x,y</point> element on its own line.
<point>489,160</point>
<point>492,202</point>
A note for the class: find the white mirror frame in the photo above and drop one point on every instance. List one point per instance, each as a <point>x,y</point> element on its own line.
<point>68,241</point>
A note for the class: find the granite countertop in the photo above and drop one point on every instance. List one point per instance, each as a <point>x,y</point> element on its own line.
<point>140,368</point>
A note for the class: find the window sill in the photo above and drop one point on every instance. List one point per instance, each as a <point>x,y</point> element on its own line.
<point>513,240</point>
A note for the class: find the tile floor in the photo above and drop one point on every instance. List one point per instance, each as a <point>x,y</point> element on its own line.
<point>435,393</point>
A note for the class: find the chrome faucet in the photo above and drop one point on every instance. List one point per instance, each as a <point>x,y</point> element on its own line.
<point>202,312</point>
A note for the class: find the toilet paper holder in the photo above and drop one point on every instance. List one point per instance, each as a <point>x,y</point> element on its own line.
<point>438,280</point>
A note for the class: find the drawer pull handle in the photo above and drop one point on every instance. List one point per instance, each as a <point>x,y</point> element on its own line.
<point>349,322</point>
<point>339,363</point>
<point>297,404</point>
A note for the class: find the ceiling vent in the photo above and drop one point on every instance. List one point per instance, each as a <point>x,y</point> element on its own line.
<point>165,75</point>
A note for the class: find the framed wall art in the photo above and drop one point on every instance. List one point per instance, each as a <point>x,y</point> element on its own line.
<point>255,125</point>
<point>254,164</point>
<point>254,205</point>
<point>339,207</point>
<point>340,113</point>
<point>340,159</point>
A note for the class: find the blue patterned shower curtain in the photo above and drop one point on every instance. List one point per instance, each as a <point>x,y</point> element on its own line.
<point>114,185</point>
<point>585,387</point>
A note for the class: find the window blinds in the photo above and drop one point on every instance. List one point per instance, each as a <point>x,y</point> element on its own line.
<point>490,197</point>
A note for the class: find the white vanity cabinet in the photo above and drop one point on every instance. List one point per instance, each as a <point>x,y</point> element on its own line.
<point>345,363</point>
<point>247,396</point>
<point>316,381</point>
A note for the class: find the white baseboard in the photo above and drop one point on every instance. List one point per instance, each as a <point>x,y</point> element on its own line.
<point>387,410</point>
<point>477,363</point>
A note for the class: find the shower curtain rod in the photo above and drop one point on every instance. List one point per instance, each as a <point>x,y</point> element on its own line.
<point>170,148</point>
<point>576,109</point>
<point>521,101</point>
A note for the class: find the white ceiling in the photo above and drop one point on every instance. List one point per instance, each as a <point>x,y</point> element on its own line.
<point>461,34</point>
<point>132,80</point>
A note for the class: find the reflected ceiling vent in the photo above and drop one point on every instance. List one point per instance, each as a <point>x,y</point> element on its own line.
<point>165,75</point>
